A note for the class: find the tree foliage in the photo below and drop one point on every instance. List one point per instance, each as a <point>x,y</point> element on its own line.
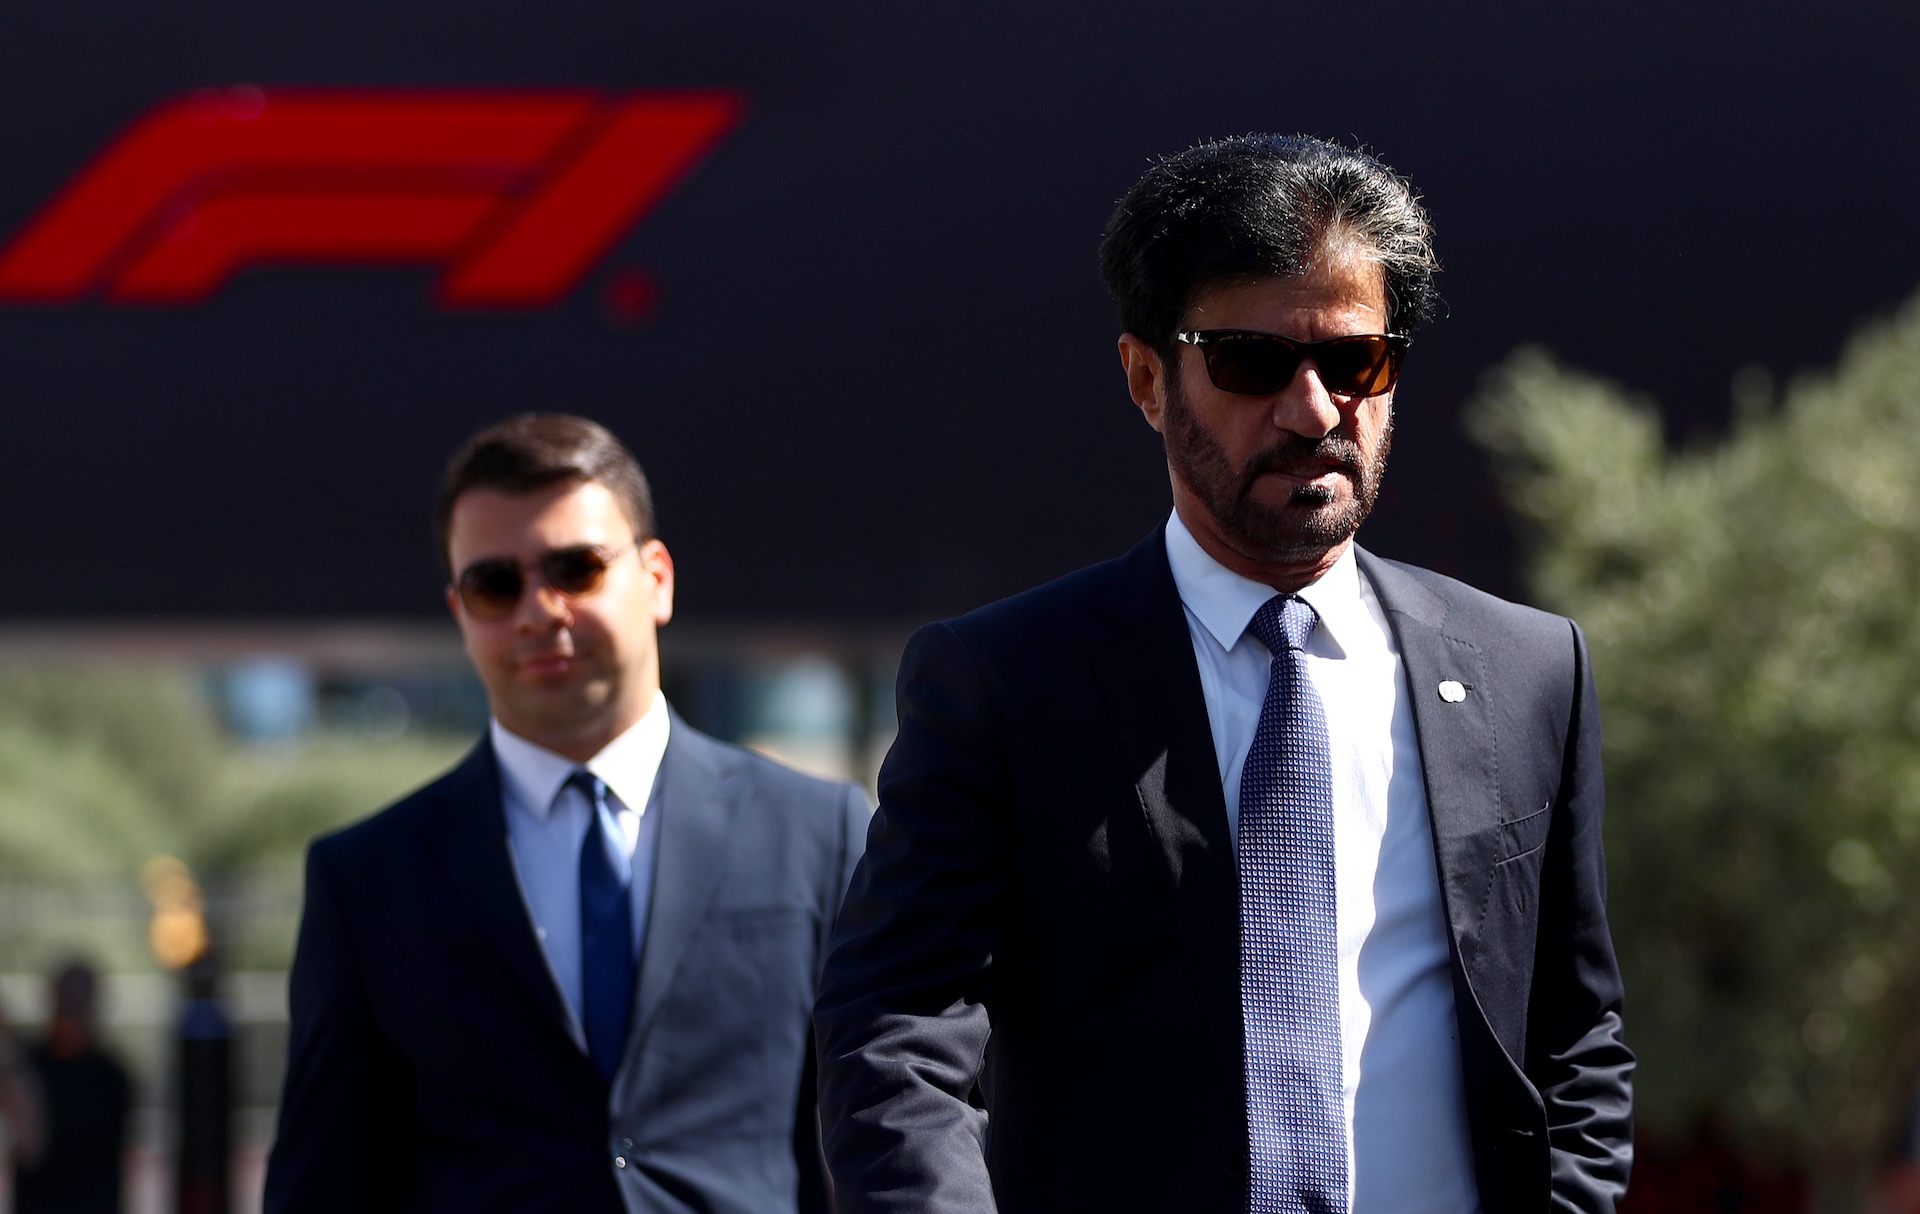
<point>1753,609</point>
<point>102,768</point>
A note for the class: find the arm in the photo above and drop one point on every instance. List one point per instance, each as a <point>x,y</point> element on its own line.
<point>1576,1054</point>
<point>341,1095</point>
<point>902,1017</point>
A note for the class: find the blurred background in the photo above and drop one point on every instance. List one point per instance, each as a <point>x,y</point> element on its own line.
<point>858,340</point>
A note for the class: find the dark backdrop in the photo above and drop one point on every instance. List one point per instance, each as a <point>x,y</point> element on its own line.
<point>880,379</point>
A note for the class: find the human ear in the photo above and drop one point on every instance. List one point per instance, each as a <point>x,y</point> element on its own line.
<point>658,562</point>
<point>1146,379</point>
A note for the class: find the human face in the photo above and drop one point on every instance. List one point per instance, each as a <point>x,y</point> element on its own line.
<point>1272,486</point>
<point>568,672</point>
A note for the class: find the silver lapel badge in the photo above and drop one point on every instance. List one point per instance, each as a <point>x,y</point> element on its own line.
<point>1452,690</point>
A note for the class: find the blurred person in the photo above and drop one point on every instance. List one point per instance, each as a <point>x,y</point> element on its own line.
<point>1248,871</point>
<point>575,972</point>
<point>86,1096</point>
<point>20,1116</point>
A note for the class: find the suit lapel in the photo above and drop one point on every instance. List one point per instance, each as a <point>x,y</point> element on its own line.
<point>470,840</point>
<point>1459,747</point>
<point>1150,683</point>
<point>696,802</point>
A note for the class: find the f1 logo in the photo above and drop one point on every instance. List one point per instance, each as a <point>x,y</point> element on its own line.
<point>514,194</point>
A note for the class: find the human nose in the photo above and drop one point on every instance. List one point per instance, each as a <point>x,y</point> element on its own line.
<point>541,607</point>
<point>1305,406</point>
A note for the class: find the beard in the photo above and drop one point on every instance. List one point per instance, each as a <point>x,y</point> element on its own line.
<point>1313,521</point>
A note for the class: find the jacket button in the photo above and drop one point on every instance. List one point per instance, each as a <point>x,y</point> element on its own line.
<point>619,1161</point>
<point>627,1143</point>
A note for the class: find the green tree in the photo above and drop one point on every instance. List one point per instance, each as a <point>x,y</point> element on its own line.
<point>102,768</point>
<point>1753,608</point>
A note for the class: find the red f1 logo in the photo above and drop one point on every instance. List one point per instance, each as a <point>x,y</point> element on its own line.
<point>514,194</point>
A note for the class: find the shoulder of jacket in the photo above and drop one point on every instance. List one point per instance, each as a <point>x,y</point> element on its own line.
<point>1063,602</point>
<point>383,829</point>
<point>770,778</point>
<point>1472,612</point>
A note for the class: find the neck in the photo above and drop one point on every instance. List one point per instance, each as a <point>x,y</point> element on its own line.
<point>580,740</point>
<point>68,1038</point>
<point>1285,576</point>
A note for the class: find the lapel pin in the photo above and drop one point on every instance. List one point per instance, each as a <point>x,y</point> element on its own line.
<point>1452,690</point>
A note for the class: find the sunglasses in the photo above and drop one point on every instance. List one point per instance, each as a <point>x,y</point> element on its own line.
<point>1261,364</point>
<point>490,588</point>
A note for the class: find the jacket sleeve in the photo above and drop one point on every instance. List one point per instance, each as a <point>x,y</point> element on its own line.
<point>902,1017</point>
<point>1577,1056</point>
<point>344,1096</point>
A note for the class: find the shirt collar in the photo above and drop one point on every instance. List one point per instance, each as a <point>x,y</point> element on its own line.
<point>1225,603</point>
<point>534,775</point>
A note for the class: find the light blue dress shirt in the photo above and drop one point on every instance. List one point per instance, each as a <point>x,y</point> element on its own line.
<point>1404,1083</point>
<point>547,822</point>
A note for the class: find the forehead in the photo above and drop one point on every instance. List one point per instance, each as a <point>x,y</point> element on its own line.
<point>487,522</point>
<point>1339,293</point>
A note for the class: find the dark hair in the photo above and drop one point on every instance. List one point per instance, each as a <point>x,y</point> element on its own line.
<point>1260,204</point>
<point>535,450</point>
<point>74,986</point>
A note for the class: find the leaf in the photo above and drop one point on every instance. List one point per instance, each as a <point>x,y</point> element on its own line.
<point>1753,608</point>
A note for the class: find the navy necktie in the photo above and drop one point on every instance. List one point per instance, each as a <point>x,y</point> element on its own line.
<point>606,933</point>
<point>1289,963</point>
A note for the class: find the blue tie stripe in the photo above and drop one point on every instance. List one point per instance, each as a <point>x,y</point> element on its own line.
<point>1289,960</point>
<point>607,967</point>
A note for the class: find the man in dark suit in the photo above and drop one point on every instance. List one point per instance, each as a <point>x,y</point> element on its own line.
<point>1248,871</point>
<point>575,972</point>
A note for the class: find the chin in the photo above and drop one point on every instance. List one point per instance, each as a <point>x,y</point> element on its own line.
<point>1293,535</point>
<point>553,699</point>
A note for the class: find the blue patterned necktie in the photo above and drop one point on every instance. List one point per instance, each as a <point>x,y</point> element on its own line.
<point>1289,963</point>
<point>606,933</point>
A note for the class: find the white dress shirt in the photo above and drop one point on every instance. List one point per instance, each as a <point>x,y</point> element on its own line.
<point>547,822</point>
<point>1409,1147</point>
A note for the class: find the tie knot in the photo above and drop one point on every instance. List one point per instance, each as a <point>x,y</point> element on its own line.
<point>1284,622</point>
<point>593,786</point>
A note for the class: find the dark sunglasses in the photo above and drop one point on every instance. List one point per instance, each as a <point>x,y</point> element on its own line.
<point>490,588</point>
<point>1260,364</point>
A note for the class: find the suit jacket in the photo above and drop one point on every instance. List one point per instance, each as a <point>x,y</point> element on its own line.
<point>431,1063</point>
<point>1049,906</point>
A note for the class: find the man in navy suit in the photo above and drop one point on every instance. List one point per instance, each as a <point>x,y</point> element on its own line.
<point>1248,871</point>
<point>575,972</point>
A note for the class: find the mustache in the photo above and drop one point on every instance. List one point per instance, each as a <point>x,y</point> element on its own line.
<point>1294,450</point>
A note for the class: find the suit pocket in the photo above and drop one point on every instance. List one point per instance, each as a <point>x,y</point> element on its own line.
<point>754,922</point>
<point>1522,837</point>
